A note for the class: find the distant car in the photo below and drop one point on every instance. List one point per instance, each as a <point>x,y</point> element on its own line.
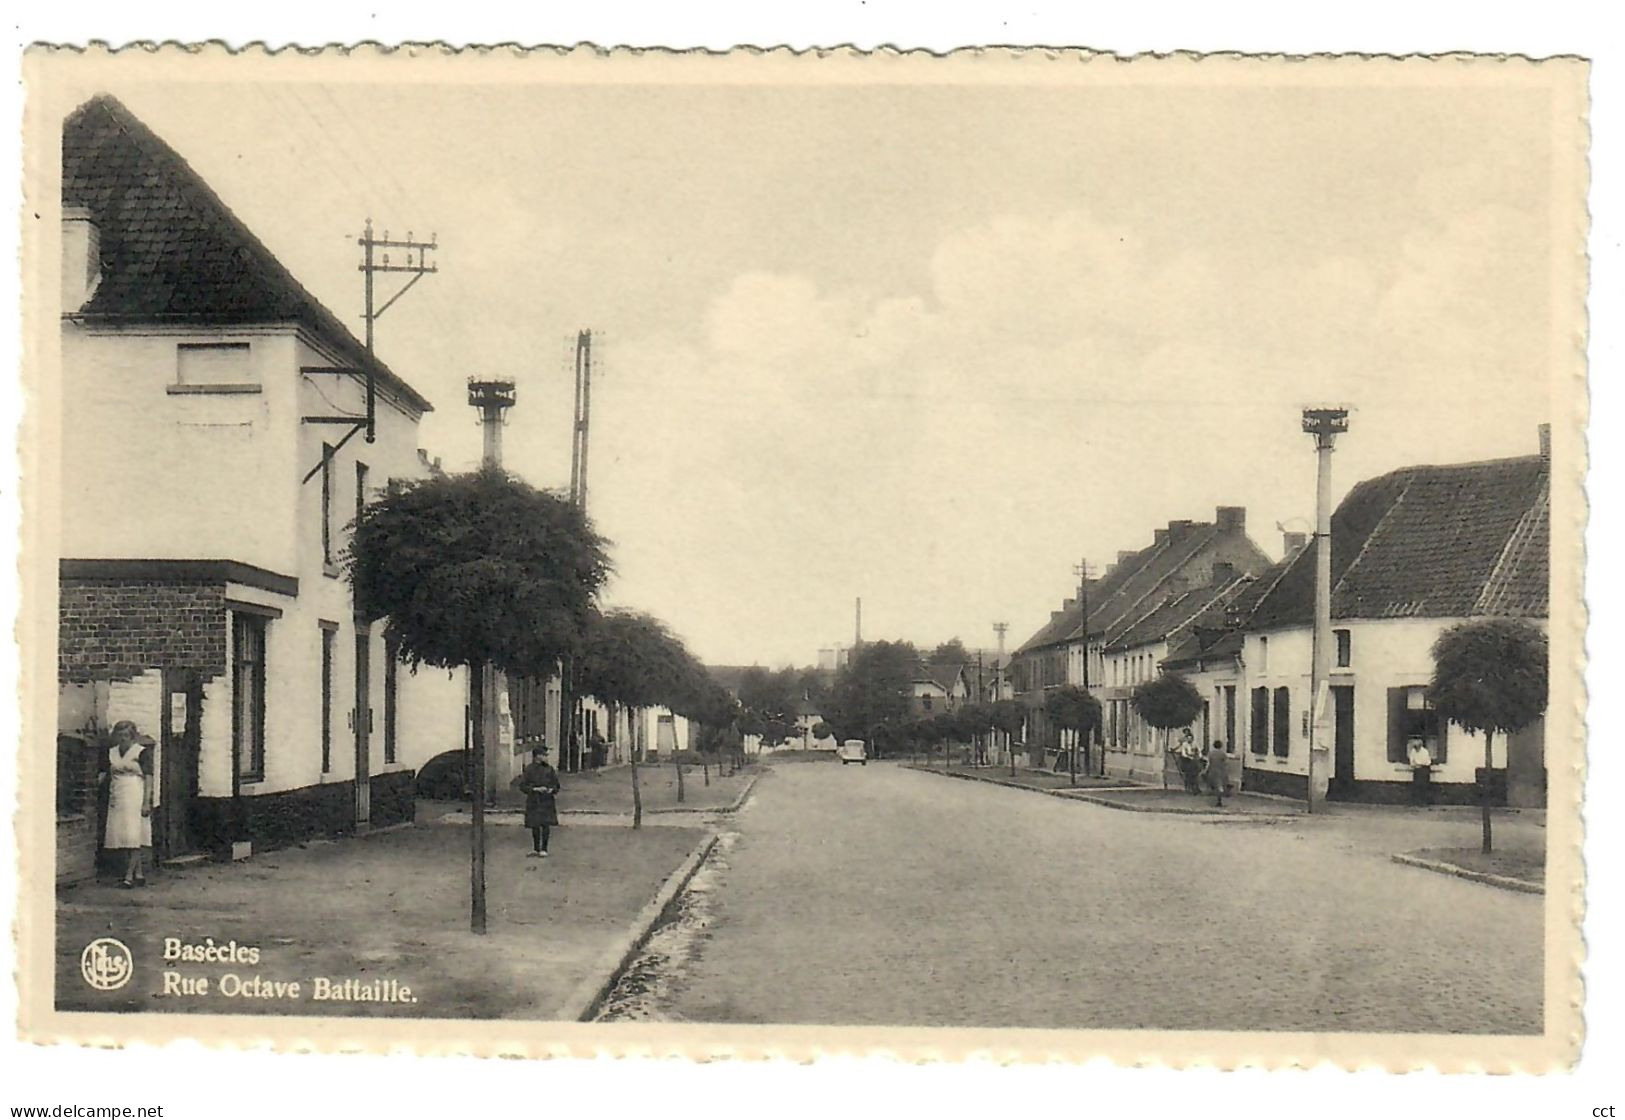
<point>853,750</point>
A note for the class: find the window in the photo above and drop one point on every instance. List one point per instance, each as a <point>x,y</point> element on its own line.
<point>1411,717</point>
<point>329,629</point>
<point>213,364</point>
<point>248,695</point>
<point>1230,719</point>
<point>1344,648</point>
<point>1283,721</point>
<point>1261,721</point>
<point>327,504</point>
<point>391,685</point>
<point>925,703</point>
<point>1263,655</point>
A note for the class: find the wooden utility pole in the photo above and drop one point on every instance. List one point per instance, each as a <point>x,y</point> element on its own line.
<point>570,702</point>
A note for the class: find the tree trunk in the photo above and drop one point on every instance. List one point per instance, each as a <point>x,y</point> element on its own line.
<point>637,792</point>
<point>1484,791</point>
<point>677,757</point>
<point>476,705</point>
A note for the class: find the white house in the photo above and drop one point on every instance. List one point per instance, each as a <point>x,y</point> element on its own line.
<point>1413,552</point>
<point>204,514</point>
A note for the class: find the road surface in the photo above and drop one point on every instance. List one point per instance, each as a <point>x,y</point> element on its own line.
<point>883,896</point>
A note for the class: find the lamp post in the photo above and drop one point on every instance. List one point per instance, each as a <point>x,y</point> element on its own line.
<point>1325,424</point>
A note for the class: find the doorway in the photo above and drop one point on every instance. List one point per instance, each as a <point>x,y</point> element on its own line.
<point>173,833</point>
<point>1341,786</point>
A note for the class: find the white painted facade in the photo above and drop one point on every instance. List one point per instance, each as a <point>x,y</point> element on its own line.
<point>160,464</point>
<point>1384,654</point>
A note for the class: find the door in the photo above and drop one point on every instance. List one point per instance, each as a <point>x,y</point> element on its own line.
<point>1341,786</point>
<point>362,718</point>
<point>179,740</point>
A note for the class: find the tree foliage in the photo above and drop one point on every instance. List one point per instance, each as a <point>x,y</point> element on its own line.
<point>475,568</point>
<point>1490,675</point>
<point>974,719</point>
<point>1167,702</point>
<point>873,689</point>
<point>632,659</point>
<point>1072,708</point>
<point>1008,716</point>
<point>951,652</point>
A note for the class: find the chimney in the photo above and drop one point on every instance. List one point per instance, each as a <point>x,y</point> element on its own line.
<point>81,258</point>
<point>1546,443</point>
<point>1159,536</point>
<point>1068,604</point>
<point>1294,543</point>
<point>1231,519</point>
<point>1223,572</point>
<point>1177,529</point>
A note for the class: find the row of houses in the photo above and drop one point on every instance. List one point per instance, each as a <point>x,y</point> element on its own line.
<point>1413,552</point>
<point>202,523</point>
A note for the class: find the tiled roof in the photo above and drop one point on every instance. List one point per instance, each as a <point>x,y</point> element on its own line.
<point>171,251</point>
<point>1201,644</point>
<point>1177,614</point>
<point>944,677</point>
<point>1430,542</point>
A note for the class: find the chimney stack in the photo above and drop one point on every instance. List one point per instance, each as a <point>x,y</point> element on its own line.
<point>1294,543</point>
<point>1546,443</point>
<point>1177,529</point>
<point>1068,604</point>
<point>1231,519</point>
<point>81,258</point>
<point>1159,536</point>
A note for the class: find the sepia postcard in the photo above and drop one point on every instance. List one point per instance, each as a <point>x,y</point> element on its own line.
<point>1028,554</point>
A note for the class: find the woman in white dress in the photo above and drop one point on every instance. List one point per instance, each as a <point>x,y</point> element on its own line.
<point>129,798</point>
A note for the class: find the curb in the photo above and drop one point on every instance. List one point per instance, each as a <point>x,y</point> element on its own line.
<point>584,1000</point>
<point>1082,793</point>
<point>1503,882</point>
<point>733,808</point>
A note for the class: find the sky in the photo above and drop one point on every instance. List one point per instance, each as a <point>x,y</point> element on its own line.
<point>929,346</point>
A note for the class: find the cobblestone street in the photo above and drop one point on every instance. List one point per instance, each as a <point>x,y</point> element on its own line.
<point>879,895</point>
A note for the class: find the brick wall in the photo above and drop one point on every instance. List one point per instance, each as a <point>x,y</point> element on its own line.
<point>119,627</point>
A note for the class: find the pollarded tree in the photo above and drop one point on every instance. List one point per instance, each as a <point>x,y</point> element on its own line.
<point>1167,702</point>
<point>1490,676</point>
<point>478,570</point>
<point>975,721</point>
<point>1073,709</point>
<point>632,660</point>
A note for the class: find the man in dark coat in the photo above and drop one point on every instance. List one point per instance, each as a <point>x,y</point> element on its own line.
<point>539,783</point>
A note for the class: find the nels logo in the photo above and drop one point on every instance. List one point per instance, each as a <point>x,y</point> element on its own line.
<point>106,964</point>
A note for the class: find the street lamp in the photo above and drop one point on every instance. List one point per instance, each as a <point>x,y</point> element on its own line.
<point>1325,424</point>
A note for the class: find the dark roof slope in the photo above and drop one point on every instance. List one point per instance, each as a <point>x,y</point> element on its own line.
<point>1430,542</point>
<point>1178,613</point>
<point>943,676</point>
<point>171,251</point>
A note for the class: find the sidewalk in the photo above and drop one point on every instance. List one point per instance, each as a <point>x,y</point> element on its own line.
<point>609,791</point>
<point>393,906</point>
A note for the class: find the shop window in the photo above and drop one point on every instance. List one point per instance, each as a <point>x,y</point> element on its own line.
<point>329,631</point>
<point>1412,718</point>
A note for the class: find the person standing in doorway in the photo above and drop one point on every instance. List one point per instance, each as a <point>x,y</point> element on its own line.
<point>1190,762</point>
<point>1217,772</point>
<point>540,784</point>
<point>1421,761</point>
<point>128,774</point>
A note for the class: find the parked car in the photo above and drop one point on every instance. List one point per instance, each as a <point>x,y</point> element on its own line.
<point>853,750</point>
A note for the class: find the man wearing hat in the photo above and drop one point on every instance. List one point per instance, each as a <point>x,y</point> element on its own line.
<point>539,782</point>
